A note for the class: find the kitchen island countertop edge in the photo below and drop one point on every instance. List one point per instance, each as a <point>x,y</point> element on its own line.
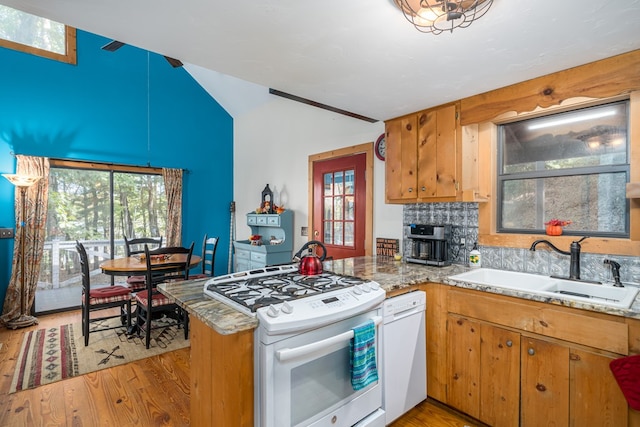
<point>393,276</point>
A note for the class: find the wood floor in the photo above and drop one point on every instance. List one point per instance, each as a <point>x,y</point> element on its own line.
<point>149,392</point>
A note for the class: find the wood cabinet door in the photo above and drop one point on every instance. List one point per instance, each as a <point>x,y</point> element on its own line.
<point>400,160</point>
<point>437,369</point>
<point>500,376</point>
<point>464,364</point>
<point>544,387</point>
<point>437,151</point>
<point>595,398</point>
<point>427,154</point>
<point>446,172</point>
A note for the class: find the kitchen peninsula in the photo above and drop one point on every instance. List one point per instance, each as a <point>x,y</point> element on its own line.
<point>222,338</point>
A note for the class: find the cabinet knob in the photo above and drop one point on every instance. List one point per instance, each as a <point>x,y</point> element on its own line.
<point>410,190</point>
<point>424,188</point>
<point>531,351</point>
<point>509,343</point>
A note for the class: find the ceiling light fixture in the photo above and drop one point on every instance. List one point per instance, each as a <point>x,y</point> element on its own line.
<point>436,16</point>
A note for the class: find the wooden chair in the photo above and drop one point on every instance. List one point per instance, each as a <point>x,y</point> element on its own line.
<point>135,247</point>
<point>209,246</point>
<point>151,303</point>
<point>101,298</point>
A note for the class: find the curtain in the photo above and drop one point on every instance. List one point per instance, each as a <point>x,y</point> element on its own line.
<point>33,232</point>
<point>173,190</point>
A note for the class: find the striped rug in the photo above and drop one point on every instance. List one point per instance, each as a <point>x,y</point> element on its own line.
<point>54,354</point>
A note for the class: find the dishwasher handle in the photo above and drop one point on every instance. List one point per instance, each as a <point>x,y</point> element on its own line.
<point>287,354</point>
<point>406,313</point>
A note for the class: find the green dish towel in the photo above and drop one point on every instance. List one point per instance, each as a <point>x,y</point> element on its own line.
<point>363,355</point>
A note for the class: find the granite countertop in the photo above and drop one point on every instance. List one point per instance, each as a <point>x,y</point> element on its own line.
<point>393,276</point>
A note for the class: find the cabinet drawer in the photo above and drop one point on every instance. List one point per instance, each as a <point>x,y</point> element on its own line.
<point>243,253</point>
<point>257,219</point>
<point>273,220</point>
<point>263,219</point>
<point>258,257</point>
<point>595,330</point>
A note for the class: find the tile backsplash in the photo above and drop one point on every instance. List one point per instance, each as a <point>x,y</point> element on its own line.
<point>463,218</point>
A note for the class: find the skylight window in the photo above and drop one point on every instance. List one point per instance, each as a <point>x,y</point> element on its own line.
<point>36,35</point>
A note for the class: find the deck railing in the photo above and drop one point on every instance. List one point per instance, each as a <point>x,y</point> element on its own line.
<point>60,262</point>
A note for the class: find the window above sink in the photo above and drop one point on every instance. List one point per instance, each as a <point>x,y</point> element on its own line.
<point>572,165</point>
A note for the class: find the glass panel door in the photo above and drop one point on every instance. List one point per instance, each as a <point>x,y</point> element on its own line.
<point>78,204</point>
<point>340,205</point>
<point>97,208</point>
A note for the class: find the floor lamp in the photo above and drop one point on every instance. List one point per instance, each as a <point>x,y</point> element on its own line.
<point>22,182</point>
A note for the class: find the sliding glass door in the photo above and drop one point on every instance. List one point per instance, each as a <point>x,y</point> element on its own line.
<point>97,208</point>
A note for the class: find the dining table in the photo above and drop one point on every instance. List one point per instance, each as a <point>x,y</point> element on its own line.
<point>134,265</point>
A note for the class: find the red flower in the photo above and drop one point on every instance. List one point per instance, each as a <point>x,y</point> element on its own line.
<point>559,222</point>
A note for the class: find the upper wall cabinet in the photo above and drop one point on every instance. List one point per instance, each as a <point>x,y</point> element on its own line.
<point>425,157</point>
<point>401,159</point>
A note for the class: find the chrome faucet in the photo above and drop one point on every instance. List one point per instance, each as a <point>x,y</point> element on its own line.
<point>574,253</point>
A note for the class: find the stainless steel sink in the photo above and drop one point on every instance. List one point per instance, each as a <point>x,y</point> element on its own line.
<point>605,294</point>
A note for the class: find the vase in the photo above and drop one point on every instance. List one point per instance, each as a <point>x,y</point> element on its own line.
<point>554,230</point>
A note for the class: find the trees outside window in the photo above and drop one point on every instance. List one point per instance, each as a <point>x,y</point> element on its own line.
<point>98,208</point>
<point>569,166</point>
<point>36,35</point>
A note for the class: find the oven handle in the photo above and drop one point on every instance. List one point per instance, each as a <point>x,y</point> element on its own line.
<point>287,354</point>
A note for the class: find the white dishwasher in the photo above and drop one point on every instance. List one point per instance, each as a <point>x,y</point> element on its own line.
<point>404,354</point>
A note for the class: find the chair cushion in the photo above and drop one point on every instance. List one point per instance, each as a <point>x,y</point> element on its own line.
<point>137,286</point>
<point>109,294</point>
<point>136,279</point>
<point>157,299</point>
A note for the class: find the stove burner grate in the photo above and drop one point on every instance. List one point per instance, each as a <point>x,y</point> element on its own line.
<point>255,292</point>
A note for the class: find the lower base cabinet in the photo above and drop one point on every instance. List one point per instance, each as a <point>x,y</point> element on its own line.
<point>506,376</point>
<point>500,362</point>
<point>544,383</point>
<point>484,362</point>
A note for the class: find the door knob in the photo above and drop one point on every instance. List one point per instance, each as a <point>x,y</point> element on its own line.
<point>316,233</point>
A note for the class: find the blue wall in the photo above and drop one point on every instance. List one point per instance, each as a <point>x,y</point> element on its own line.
<point>128,107</point>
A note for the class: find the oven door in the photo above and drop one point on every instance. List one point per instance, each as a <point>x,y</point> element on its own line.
<point>305,379</point>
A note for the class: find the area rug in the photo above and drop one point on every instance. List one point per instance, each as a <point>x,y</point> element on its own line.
<point>54,354</point>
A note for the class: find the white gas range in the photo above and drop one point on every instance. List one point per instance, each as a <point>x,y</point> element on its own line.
<point>302,344</point>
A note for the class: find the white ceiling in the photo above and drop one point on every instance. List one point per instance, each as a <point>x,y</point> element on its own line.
<point>360,55</point>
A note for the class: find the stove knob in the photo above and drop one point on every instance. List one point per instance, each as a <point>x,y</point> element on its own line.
<point>273,311</point>
<point>287,308</point>
<point>357,289</point>
<point>366,287</point>
<point>374,286</point>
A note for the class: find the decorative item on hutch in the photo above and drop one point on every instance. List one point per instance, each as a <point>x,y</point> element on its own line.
<point>267,205</point>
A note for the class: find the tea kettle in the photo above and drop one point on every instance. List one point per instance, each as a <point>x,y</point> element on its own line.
<point>310,263</point>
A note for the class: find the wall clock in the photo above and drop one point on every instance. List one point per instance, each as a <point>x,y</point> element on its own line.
<point>381,147</point>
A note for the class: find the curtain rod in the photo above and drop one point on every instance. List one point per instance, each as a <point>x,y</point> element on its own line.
<point>112,164</point>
